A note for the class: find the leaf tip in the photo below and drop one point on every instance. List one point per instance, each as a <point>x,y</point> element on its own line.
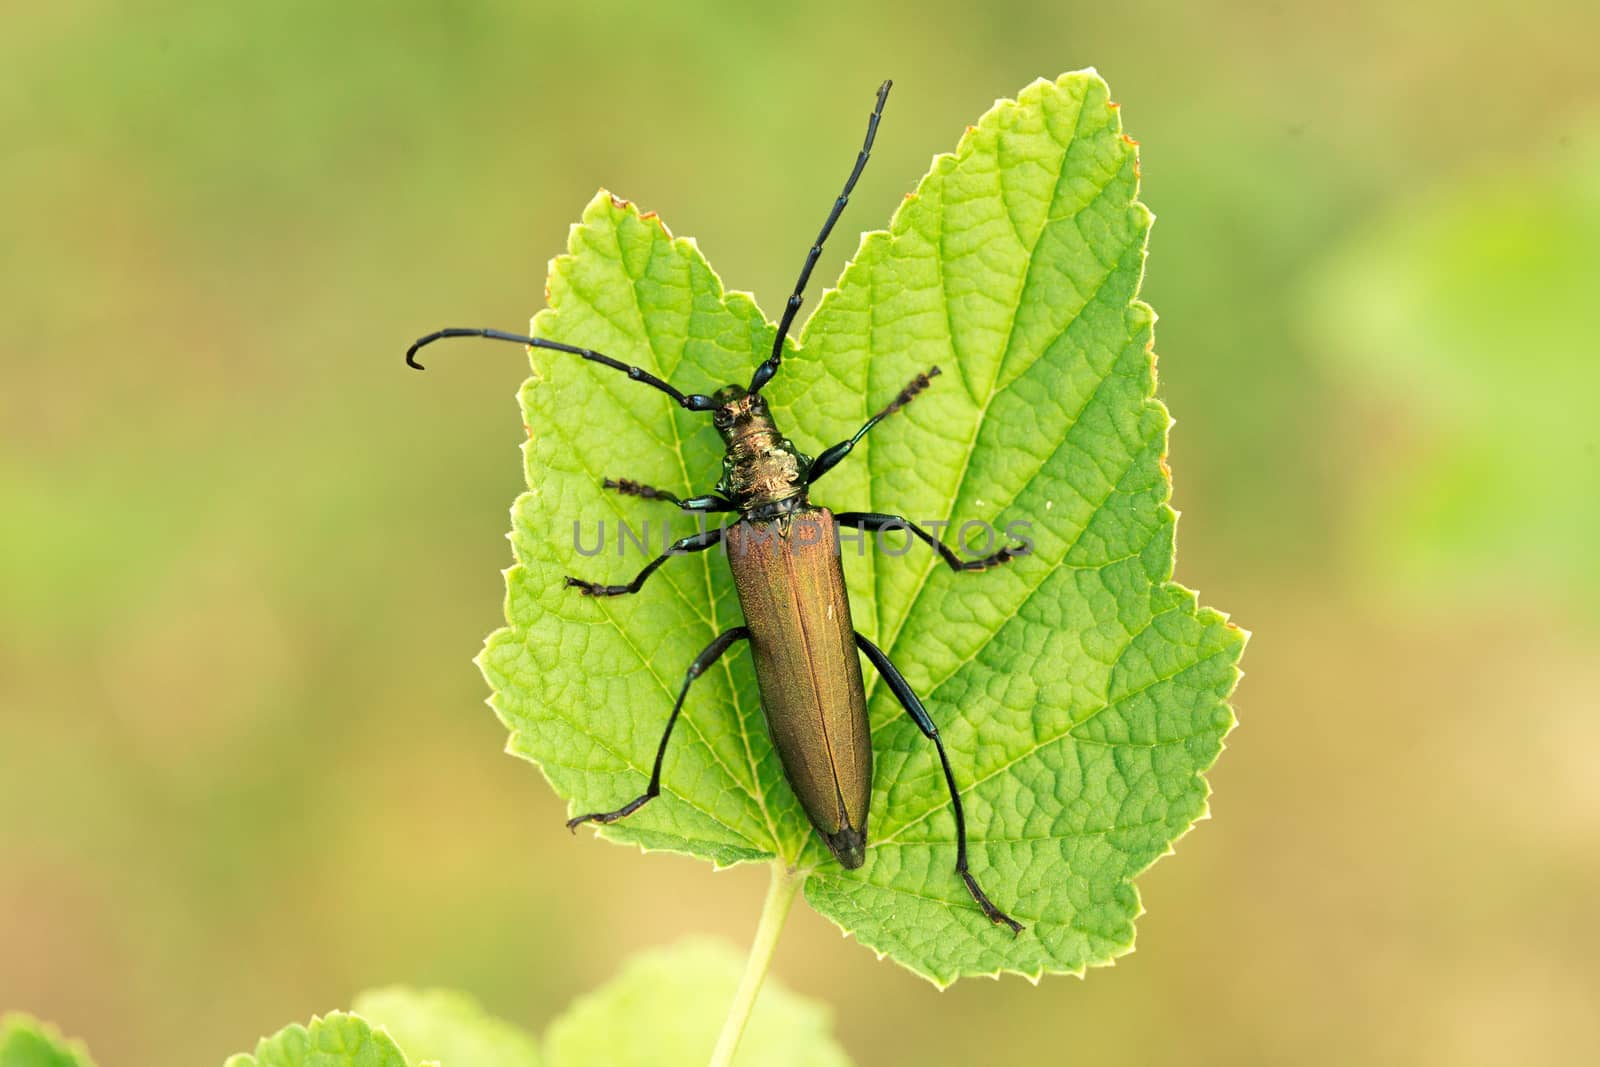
<point>651,216</point>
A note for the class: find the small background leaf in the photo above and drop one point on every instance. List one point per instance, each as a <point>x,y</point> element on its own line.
<point>1081,693</point>
<point>1484,490</point>
<point>666,1008</point>
<point>446,1027</point>
<point>335,1040</point>
<point>27,1042</point>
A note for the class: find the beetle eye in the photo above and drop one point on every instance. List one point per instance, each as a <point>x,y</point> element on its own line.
<point>721,419</point>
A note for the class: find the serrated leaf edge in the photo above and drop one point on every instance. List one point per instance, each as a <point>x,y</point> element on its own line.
<point>1151,402</point>
<point>18,1021</point>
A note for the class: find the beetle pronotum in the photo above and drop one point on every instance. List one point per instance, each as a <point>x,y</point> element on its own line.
<point>784,554</point>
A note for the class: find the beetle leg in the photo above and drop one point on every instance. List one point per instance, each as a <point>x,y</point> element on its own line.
<point>831,455</point>
<point>629,487</point>
<point>693,543</point>
<point>706,658</point>
<point>875,522</point>
<point>913,705</point>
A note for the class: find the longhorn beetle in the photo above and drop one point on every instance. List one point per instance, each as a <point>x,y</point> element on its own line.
<point>784,554</point>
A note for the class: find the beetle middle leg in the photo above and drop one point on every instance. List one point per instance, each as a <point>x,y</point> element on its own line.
<point>709,655</point>
<point>875,522</point>
<point>913,705</point>
<point>693,543</point>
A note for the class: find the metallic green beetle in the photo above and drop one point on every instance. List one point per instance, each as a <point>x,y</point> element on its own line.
<point>784,554</point>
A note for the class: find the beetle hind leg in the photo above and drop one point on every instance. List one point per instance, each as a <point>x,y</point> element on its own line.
<point>709,655</point>
<point>913,705</point>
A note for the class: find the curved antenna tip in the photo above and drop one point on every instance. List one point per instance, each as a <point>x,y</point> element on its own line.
<point>417,345</point>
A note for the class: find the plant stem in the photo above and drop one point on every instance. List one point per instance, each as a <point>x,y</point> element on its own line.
<point>786,882</point>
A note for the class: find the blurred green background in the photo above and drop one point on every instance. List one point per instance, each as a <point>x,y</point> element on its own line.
<point>246,556</point>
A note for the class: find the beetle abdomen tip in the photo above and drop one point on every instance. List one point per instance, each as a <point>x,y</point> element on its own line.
<point>849,845</point>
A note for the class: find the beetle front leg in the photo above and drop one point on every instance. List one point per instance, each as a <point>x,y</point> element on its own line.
<point>913,705</point>
<point>875,522</point>
<point>829,457</point>
<point>706,658</point>
<point>629,487</point>
<point>693,543</point>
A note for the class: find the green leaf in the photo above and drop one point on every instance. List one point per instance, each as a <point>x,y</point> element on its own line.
<point>336,1040</point>
<point>448,1028</point>
<point>1081,693</point>
<point>1468,314</point>
<point>27,1042</point>
<point>665,1008</point>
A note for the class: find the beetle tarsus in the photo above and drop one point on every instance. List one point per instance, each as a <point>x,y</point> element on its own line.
<point>994,914</point>
<point>1005,555</point>
<point>596,589</point>
<point>611,816</point>
<point>629,487</point>
<point>909,393</point>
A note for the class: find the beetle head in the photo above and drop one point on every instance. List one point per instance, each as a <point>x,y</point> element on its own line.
<point>739,412</point>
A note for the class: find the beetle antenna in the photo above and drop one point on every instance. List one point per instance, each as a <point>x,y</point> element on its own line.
<point>693,401</point>
<point>767,369</point>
